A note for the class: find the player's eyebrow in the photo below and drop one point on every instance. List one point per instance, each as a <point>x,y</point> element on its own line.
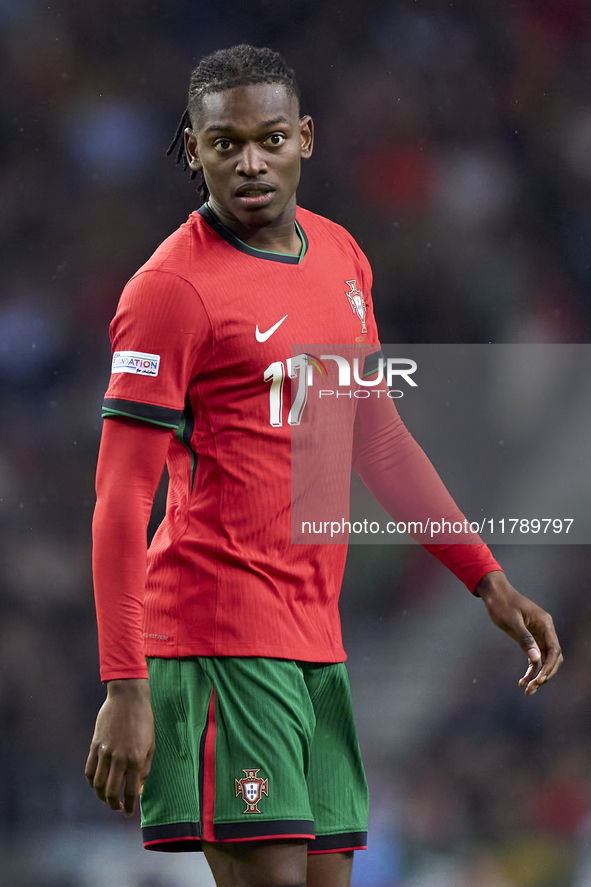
<point>220,127</point>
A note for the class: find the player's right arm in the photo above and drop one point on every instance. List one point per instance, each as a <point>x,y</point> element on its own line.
<point>160,317</point>
<point>130,465</point>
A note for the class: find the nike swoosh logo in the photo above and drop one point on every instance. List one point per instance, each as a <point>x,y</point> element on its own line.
<point>262,337</point>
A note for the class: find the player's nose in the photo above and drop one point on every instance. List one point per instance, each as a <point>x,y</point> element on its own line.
<point>252,160</point>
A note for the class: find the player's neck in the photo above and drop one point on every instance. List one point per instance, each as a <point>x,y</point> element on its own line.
<point>278,236</point>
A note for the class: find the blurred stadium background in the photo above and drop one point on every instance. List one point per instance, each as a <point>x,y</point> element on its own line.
<point>454,141</point>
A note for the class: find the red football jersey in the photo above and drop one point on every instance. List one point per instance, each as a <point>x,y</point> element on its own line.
<point>202,342</point>
<point>205,342</point>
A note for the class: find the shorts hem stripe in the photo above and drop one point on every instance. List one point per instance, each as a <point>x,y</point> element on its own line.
<point>270,828</point>
<point>168,840</point>
<point>185,836</point>
<point>339,842</point>
<point>279,837</point>
<point>170,831</point>
<point>172,844</point>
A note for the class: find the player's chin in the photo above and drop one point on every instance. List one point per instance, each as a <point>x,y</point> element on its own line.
<point>266,214</point>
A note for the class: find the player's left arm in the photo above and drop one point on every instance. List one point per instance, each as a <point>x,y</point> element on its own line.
<point>526,623</point>
<point>402,478</point>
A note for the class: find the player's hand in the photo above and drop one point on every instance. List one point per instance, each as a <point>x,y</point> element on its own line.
<point>123,744</point>
<point>526,623</point>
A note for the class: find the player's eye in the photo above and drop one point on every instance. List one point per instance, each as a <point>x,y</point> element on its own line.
<point>276,139</point>
<point>222,145</point>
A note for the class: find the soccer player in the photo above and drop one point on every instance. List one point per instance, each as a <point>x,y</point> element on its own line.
<point>242,741</point>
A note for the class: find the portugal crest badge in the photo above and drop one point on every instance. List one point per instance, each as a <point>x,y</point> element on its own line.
<point>252,788</point>
<point>357,302</point>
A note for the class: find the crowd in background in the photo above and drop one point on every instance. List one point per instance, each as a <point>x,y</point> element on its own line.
<point>454,142</point>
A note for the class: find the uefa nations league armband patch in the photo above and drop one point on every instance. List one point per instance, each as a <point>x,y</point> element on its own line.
<point>135,362</point>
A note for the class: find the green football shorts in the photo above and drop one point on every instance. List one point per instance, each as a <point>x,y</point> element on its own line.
<point>251,749</point>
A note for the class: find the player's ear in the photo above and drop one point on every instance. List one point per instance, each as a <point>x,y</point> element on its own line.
<point>306,136</point>
<point>191,150</point>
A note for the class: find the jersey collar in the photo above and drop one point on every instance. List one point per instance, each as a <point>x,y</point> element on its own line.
<point>212,220</point>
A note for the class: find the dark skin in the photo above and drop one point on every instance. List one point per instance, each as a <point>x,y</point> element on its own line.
<point>249,143</point>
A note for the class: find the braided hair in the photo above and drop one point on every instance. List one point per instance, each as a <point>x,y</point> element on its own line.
<point>241,65</point>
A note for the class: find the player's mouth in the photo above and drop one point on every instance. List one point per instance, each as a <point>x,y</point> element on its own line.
<point>255,194</point>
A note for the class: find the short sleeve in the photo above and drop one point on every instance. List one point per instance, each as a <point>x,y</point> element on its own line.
<point>161,337</point>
